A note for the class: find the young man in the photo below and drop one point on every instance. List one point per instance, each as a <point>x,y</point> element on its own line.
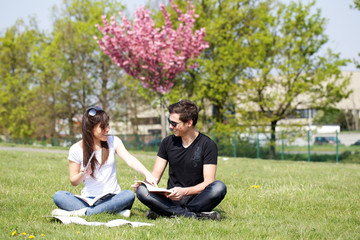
<point>192,159</point>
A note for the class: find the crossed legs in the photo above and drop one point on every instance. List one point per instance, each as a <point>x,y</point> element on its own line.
<point>189,206</point>
<point>67,201</point>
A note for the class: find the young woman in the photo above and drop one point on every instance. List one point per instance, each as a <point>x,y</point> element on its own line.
<point>99,178</point>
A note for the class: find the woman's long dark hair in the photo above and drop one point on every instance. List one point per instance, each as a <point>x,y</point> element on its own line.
<point>88,124</point>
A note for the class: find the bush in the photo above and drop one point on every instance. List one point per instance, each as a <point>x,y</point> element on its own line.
<point>245,146</point>
<point>348,157</point>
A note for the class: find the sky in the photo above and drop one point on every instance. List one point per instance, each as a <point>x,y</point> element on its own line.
<point>342,21</point>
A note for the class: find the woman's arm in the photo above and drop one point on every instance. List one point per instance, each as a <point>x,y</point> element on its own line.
<point>134,163</point>
<point>76,175</point>
<point>157,172</point>
<point>159,168</point>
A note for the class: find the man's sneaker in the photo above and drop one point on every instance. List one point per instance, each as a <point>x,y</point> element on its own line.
<point>213,215</point>
<point>76,213</point>
<point>125,213</point>
<point>151,214</point>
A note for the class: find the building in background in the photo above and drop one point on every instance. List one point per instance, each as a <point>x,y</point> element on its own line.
<point>148,118</point>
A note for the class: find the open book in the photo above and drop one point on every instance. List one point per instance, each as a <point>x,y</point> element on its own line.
<point>96,200</point>
<point>153,189</point>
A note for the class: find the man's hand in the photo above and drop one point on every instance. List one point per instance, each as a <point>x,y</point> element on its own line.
<point>177,193</point>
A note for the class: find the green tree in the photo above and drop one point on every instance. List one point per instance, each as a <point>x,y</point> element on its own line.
<point>17,81</point>
<point>82,75</point>
<point>332,116</point>
<point>356,4</point>
<point>47,80</point>
<point>229,27</point>
<point>265,61</point>
<point>46,103</point>
<point>288,71</point>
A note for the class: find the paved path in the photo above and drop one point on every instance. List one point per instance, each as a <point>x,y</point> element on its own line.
<point>312,152</point>
<point>32,149</point>
<point>28,149</point>
<point>138,155</point>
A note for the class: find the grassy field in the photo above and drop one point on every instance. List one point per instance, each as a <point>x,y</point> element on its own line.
<point>265,200</point>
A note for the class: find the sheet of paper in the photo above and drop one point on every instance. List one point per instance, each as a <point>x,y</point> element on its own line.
<point>113,223</point>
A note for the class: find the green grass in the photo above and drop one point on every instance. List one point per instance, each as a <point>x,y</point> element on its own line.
<point>296,200</point>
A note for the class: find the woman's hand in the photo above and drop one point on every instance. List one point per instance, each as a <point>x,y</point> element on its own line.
<point>149,178</point>
<point>87,173</point>
<point>76,173</point>
<point>135,186</point>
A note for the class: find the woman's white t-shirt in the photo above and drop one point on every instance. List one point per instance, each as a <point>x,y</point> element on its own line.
<point>105,180</point>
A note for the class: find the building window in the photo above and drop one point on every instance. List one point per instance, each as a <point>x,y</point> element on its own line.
<point>303,113</point>
<point>145,121</point>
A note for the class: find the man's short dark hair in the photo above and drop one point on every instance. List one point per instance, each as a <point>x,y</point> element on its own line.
<point>186,109</point>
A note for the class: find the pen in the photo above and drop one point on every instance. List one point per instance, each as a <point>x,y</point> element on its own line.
<point>88,163</point>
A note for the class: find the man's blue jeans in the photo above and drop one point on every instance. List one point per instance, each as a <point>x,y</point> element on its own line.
<point>206,201</point>
<point>67,201</point>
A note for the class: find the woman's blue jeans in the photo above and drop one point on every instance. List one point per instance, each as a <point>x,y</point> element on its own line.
<point>207,200</point>
<point>67,201</point>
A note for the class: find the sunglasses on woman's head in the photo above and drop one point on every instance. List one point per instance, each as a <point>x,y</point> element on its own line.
<point>173,123</point>
<point>93,110</point>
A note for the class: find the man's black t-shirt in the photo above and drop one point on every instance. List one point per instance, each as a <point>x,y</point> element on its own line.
<point>186,164</point>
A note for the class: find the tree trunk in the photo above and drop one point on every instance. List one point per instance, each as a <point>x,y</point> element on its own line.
<point>163,118</point>
<point>219,113</point>
<point>272,140</point>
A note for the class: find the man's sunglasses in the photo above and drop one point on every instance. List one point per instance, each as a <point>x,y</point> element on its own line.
<point>173,123</point>
<point>93,110</point>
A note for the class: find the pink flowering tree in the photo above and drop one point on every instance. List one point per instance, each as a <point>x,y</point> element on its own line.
<point>155,56</point>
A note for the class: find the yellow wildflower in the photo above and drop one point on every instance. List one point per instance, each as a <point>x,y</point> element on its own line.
<point>31,236</point>
<point>13,233</point>
<point>78,232</point>
<point>43,235</point>
<point>23,233</point>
